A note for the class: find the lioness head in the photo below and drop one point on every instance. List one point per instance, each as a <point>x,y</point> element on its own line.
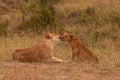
<point>53,37</point>
<point>67,36</point>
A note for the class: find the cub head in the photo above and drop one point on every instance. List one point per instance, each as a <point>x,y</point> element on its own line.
<point>67,36</point>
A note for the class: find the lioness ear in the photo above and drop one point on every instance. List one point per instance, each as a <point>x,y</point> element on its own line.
<point>47,37</point>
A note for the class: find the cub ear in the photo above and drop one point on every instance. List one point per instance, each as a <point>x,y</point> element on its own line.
<point>47,37</point>
<point>66,31</point>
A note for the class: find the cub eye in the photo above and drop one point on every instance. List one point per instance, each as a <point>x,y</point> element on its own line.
<point>47,37</point>
<point>71,36</point>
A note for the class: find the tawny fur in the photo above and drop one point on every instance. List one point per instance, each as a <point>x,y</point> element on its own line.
<point>41,52</point>
<point>79,50</point>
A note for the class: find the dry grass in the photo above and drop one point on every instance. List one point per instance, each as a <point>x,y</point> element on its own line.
<point>68,6</point>
<point>108,67</point>
<point>68,11</point>
<point>106,49</point>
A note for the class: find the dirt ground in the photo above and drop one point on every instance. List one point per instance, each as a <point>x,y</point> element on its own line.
<point>55,71</point>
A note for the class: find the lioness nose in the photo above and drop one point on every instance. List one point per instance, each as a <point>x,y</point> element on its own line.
<point>60,37</point>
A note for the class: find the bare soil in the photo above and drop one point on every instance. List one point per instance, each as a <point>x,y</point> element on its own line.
<point>55,71</point>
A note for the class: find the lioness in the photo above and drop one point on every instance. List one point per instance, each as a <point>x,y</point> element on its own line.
<point>41,52</point>
<point>79,50</point>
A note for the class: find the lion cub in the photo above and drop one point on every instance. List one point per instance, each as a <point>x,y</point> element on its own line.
<point>41,52</point>
<point>79,50</point>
